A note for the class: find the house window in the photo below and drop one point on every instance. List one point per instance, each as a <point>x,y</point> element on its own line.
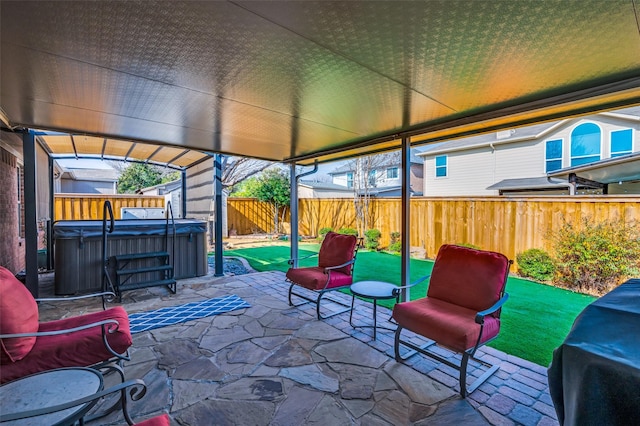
<point>349,180</point>
<point>553,155</point>
<point>372,178</point>
<point>585,144</point>
<point>392,173</point>
<point>441,166</point>
<point>621,142</point>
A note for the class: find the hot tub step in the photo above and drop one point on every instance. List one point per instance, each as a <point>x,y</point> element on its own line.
<point>171,283</point>
<point>134,256</point>
<point>144,270</point>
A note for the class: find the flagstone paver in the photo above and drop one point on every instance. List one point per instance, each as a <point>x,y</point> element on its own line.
<point>272,364</point>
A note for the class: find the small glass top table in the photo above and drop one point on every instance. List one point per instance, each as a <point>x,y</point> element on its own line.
<point>374,290</point>
<point>48,389</point>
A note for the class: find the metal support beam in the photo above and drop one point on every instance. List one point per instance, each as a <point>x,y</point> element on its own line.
<point>294,215</point>
<point>294,209</point>
<point>406,219</point>
<point>49,229</point>
<point>183,204</point>
<point>30,220</point>
<point>218,222</point>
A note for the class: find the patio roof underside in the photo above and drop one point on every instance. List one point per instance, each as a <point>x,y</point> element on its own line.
<point>295,81</point>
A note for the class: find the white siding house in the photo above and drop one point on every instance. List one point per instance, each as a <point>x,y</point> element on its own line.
<point>533,158</point>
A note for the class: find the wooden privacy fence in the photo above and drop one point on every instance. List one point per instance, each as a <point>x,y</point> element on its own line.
<point>507,225</point>
<point>89,206</point>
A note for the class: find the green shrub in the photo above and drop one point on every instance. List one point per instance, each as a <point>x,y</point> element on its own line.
<point>469,245</point>
<point>372,239</point>
<point>595,257</point>
<point>537,264</point>
<point>348,231</point>
<point>396,243</point>
<point>395,247</point>
<point>323,233</point>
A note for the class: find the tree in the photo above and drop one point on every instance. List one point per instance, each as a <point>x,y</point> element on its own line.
<point>273,187</point>
<point>137,176</point>
<point>237,169</point>
<point>367,173</point>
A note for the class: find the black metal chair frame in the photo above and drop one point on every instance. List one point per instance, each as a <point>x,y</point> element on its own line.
<point>108,326</point>
<point>321,293</point>
<point>137,391</point>
<point>466,355</point>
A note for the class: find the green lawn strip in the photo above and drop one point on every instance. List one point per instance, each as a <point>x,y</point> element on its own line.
<point>535,320</point>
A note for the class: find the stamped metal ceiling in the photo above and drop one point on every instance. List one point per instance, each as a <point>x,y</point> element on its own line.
<point>297,80</point>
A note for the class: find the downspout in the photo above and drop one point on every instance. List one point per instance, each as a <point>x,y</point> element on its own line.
<point>294,209</point>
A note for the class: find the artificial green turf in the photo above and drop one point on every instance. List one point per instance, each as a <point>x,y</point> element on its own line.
<point>535,320</point>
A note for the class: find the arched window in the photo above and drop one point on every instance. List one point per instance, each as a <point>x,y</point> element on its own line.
<point>585,144</point>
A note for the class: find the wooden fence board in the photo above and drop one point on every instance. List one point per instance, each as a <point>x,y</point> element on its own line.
<point>89,206</point>
<point>509,225</point>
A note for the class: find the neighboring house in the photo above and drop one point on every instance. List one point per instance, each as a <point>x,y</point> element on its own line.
<point>315,189</point>
<point>551,158</point>
<point>383,177</point>
<point>84,177</point>
<point>172,192</point>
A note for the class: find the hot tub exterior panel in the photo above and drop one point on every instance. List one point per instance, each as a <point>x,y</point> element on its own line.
<point>78,251</point>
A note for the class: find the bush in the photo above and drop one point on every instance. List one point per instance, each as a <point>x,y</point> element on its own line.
<point>323,233</point>
<point>468,245</point>
<point>536,264</point>
<point>396,243</point>
<point>348,231</point>
<point>395,247</point>
<point>372,239</point>
<point>594,257</point>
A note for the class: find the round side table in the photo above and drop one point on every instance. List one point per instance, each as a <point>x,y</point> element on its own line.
<point>48,389</point>
<point>374,290</point>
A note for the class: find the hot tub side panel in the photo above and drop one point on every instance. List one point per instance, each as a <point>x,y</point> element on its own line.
<point>79,262</point>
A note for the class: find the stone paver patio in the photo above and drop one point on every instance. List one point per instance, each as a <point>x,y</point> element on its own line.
<point>272,364</point>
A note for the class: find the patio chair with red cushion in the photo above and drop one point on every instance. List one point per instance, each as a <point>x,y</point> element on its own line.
<point>100,339</point>
<point>336,261</point>
<point>461,310</point>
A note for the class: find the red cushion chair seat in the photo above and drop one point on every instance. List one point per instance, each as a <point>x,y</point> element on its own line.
<point>450,325</point>
<point>80,348</point>
<point>314,278</point>
<point>162,420</point>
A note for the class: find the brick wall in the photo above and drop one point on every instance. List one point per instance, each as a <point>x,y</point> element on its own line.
<point>11,245</point>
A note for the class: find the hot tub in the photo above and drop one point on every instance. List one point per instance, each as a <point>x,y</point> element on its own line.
<point>78,259</point>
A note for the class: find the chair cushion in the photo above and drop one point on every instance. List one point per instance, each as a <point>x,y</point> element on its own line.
<point>162,420</point>
<point>314,278</point>
<point>466,277</point>
<point>337,249</point>
<point>449,325</point>
<point>78,349</point>
<point>18,314</point>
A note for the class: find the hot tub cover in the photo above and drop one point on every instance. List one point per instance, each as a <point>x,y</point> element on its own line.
<point>70,229</point>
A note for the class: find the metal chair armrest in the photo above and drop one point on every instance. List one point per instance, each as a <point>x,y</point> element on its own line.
<point>290,261</point>
<point>138,391</point>
<point>84,296</point>
<point>398,290</point>
<point>330,268</point>
<point>111,329</point>
<point>480,315</point>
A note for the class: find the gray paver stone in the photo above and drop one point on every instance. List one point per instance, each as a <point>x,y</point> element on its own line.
<point>419,388</point>
<point>351,352</point>
<point>313,376</point>
<point>187,393</point>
